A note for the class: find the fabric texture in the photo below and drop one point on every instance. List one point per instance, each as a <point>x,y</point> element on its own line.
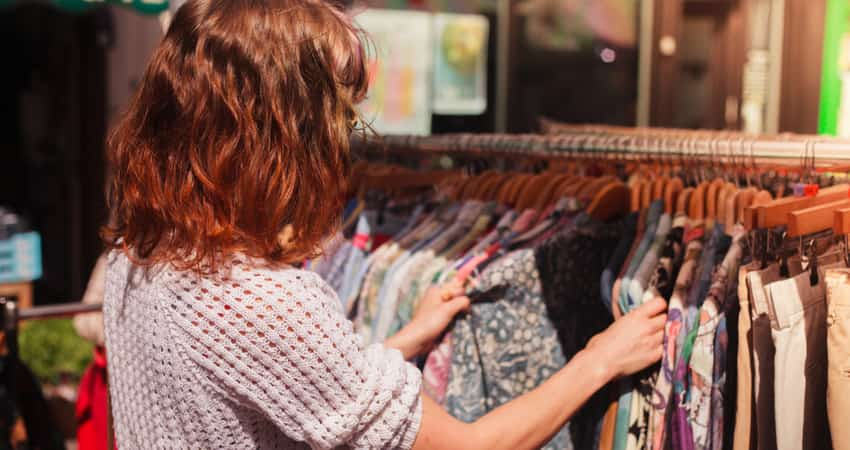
<point>622,435</point>
<point>355,268</point>
<point>664,393</point>
<point>643,275</point>
<point>618,258</point>
<point>705,383</point>
<point>663,280</point>
<point>682,432</point>
<point>641,396</point>
<point>504,347</point>
<point>569,265</point>
<point>247,356</point>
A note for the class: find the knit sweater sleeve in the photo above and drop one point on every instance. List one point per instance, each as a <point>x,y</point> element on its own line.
<point>277,342</point>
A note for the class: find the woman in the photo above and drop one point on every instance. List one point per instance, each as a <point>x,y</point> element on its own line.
<point>229,165</point>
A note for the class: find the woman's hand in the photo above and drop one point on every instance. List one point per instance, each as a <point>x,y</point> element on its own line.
<point>633,342</point>
<point>435,311</point>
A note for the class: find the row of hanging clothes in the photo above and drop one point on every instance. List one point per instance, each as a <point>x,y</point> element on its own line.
<point>558,235</point>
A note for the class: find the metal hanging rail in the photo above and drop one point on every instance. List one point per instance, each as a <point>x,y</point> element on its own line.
<point>11,315</point>
<point>575,140</point>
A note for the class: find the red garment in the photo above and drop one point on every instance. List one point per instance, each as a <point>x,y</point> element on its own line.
<point>379,240</point>
<point>92,405</point>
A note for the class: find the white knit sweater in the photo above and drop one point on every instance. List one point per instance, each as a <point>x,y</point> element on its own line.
<point>251,358</point>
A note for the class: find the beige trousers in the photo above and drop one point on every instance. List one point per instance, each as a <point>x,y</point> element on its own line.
<point>744,426</point>
<point>797,310</point>
<point>838,352</point>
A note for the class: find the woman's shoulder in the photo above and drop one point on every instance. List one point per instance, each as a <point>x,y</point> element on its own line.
<point>234,278</point>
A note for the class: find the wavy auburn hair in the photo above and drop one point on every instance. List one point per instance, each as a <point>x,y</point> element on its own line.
<point>239,131</point>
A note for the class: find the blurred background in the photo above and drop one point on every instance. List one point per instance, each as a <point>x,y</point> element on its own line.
<point>760,66</point>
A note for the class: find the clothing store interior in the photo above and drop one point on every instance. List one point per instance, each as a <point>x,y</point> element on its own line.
<point>565,161</point>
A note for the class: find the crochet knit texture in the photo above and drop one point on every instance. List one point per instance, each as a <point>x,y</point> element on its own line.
<point>250,358</point>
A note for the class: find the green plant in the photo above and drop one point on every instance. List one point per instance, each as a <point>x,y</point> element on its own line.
<point>53,350</point>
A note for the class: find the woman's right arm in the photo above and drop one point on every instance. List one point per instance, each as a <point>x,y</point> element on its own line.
<point>528,422</point>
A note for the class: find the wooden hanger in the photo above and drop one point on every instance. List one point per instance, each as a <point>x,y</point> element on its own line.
<point>515,191</point>
<point>491,190</point>
<point>671,194</point>
<point>815,219</point>
<point>720,207</point>
<point>532,192</point>
<point>658,187</point>
<point>468,187</point>
<point>563,189</point>
<point>573,189</point>
<point>483,187</point>
<point>841,222</point>
<point>550,195</point>
<point>501,196</point>
<point>750,214</point>
<point>610,202</point>
<point>776,212</point>
<point>697,203</point>
<point>590,190</point>
<point>683,202</point>
<point>636,195</point>
<point>646,194</point>
<point>566,188</point>
<point>744,200</point>
<point>487,181</point>
<point>729,211</point>
<point>711,197</point>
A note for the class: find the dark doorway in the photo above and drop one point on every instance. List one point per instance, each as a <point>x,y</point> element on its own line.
<point>52,130</point>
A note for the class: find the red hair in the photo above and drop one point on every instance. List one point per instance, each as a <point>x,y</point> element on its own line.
<point>240,129</point>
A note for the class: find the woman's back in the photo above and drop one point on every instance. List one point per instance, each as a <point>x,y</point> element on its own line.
<point>244,360</point>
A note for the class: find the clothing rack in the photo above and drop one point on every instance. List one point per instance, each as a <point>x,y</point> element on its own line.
<point>11,316</point>
<point>569,141</point>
